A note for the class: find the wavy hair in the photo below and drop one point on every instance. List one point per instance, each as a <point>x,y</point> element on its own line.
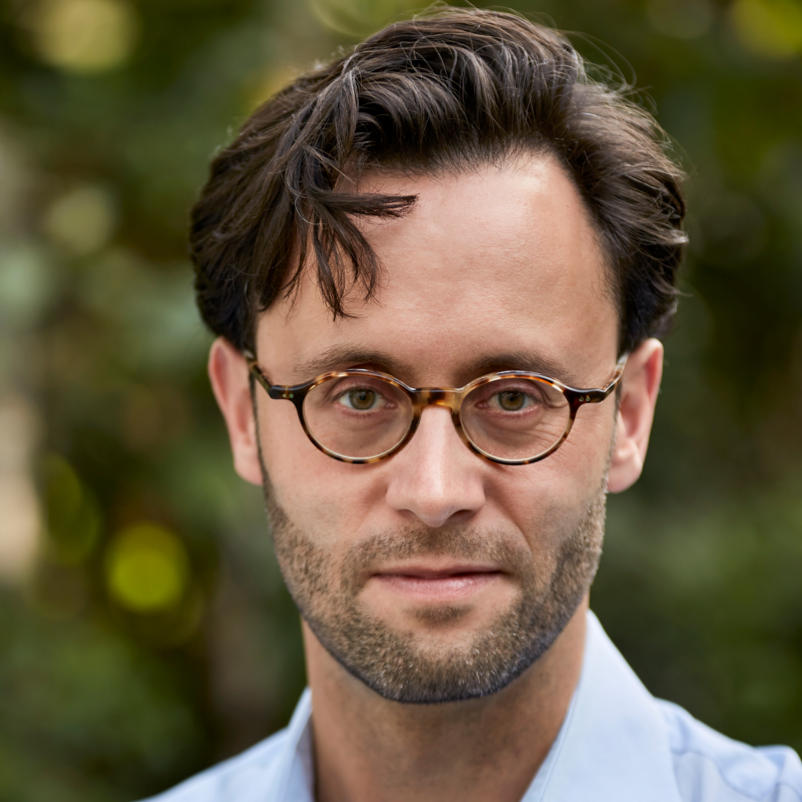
<point>440,92</point>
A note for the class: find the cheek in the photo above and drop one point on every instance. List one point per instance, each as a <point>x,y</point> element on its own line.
<point>320,495</point>
<point>586,452</point>
<point>290,458</point>
<point>548,499</point>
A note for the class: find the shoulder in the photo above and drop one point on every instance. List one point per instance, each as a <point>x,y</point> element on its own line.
<point>711,767</point>
<point>258,767</point>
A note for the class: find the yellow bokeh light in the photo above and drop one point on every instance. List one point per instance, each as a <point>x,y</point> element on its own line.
<point>147,569</point>
<point>82,220</point>
<point>770,28</point>
<point>266,85</point>
<point>73,521</point>
<point>84,35</point>
<point>358,18</point>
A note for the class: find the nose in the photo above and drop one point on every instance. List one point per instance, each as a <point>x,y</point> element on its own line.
<point>435,478</point>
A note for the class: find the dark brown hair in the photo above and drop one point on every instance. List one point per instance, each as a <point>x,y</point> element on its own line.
<point>439,92</point>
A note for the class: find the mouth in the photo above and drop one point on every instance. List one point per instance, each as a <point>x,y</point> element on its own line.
<point>450,583</point>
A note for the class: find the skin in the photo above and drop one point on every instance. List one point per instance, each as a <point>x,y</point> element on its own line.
<point>492,262</point>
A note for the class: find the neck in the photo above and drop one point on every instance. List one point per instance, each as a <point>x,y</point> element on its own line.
<point>368,748</point>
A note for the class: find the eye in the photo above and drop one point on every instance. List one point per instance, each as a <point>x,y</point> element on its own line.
<point>511,396</point>
<point>514,399</point>
<point>511,400</point>
<point>361,399</point>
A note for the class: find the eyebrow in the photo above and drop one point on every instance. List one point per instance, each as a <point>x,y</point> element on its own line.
<point>341,357</point>
<point>530,361</point>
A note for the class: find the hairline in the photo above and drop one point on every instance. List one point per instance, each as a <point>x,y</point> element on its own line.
<point>515,152</point>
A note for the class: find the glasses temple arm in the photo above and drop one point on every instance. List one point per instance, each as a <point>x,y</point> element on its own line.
<point>257,371</point>
<point>619,372</point>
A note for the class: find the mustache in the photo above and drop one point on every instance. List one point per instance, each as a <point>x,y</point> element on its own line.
<point>462,543</point>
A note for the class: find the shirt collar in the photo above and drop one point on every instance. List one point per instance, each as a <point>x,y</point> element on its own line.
<point>296,783</point>
<point>613,744</point>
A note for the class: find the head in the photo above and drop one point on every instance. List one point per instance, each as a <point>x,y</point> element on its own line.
<point>454,198</point>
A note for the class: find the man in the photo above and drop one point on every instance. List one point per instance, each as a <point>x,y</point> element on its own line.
<point>436,268</point>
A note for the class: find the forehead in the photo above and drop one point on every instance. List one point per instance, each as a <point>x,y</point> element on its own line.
<point>490,262</point>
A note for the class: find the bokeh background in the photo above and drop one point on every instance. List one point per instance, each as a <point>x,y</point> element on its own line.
<point>144,630</point>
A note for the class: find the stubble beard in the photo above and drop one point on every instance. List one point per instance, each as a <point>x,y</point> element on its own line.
<point>394,663</point>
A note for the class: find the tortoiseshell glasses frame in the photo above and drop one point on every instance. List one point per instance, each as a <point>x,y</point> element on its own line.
<point>419,398</point>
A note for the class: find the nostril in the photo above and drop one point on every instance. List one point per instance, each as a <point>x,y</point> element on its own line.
<point>439,517</point>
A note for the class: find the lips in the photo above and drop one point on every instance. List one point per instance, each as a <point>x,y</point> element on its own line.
<point>429,573</point>
<point>438,584</point>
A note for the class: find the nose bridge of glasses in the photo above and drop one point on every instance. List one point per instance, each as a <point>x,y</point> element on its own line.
<point>436,397</point>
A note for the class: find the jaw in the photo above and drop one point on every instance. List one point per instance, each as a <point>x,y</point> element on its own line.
<point>424,633</point>
<point>551,676</point>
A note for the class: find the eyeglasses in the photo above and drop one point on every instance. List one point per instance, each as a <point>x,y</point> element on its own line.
<point>360,416</point>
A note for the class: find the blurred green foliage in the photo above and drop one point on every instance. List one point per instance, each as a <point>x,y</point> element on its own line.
<point>145,632</point>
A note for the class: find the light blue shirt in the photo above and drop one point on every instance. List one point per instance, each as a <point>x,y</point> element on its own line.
<point>617,744</point>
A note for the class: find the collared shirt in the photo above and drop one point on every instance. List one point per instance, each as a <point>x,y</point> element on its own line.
<point>617,744</point>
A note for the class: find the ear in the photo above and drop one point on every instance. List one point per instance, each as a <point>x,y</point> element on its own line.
<point>639,386</point>
<point>228,372</point>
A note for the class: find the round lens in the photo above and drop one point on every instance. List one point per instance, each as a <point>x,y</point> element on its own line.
<point>357,415</point>
<point>515,418</point>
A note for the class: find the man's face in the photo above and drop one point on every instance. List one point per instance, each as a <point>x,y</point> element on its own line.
<point>435,575</point>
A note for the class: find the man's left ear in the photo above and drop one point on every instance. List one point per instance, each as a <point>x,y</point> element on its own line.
<point>639,386</point>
